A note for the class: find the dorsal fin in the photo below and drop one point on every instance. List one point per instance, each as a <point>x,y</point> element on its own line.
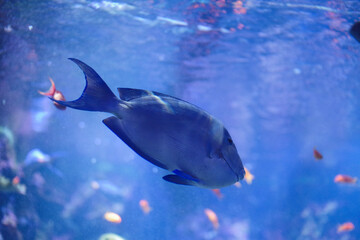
<point>128,94</point>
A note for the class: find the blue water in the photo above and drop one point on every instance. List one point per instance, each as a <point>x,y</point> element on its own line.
<point>283,77</point>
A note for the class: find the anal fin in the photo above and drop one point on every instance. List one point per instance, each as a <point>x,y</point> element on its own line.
<point>185,175</point>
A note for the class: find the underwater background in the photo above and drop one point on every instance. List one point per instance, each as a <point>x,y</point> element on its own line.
<point>283,77</point>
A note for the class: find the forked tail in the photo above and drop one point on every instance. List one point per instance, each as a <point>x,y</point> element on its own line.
<point>96,96</point>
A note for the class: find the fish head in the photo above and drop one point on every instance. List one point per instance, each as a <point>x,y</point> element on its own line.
<point>229,154</point>
<point>226,166</point>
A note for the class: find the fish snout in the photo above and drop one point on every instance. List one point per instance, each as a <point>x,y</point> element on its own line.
<point>233,159</point>
<point>241,174</point>
<point>238,170</point>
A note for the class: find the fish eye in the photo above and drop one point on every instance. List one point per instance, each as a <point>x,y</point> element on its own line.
<point>230,141</point>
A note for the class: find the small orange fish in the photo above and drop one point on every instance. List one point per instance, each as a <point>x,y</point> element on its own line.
<point>248,176</point>
<point>218,193</point>
<point>212,217</point>
<point>55,94</point>
<point>317,155</point>
<point>340,178</point>
<point>16,180</point>
<point>144,205</point>
<point>112,217</point>
<point>345,227</point>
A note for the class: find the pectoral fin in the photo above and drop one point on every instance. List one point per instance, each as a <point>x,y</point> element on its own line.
<point>178,180</point>
<point>116,127</point>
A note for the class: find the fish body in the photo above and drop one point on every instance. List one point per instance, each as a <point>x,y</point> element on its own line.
<point>144,205</point>
<point>112,217</point>
<point>317,155</point>
<point>345,227</point>
<point>212,217</point>
<point>340,178</point>
<point>36,156</point>
<point>168,132</point>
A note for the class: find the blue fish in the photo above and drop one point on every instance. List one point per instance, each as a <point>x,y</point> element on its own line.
<point>168,132</point>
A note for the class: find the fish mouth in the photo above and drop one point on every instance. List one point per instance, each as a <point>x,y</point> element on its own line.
<point>237,175</point>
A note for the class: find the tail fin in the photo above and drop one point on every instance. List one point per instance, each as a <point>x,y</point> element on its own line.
<point>96,96</point>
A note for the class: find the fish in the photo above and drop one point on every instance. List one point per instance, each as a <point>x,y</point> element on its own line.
<point>317,155</point>
<point>15,180</point>
<point>55,94</point>
<point>355,31</point>
<point>144,205</point>
<point>217,193</point>
<point>110,236</point>
<point>211,215</point>
<point>36,156</point>
<point>345,227</point>
<point>112,217</point>
<point>340,178</point>
<point>166,131</point>
<point>248,176</point>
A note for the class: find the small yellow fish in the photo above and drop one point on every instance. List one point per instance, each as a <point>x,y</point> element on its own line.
<point>248,176</point>
<point>112,217</point>
<point>212,217</point>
